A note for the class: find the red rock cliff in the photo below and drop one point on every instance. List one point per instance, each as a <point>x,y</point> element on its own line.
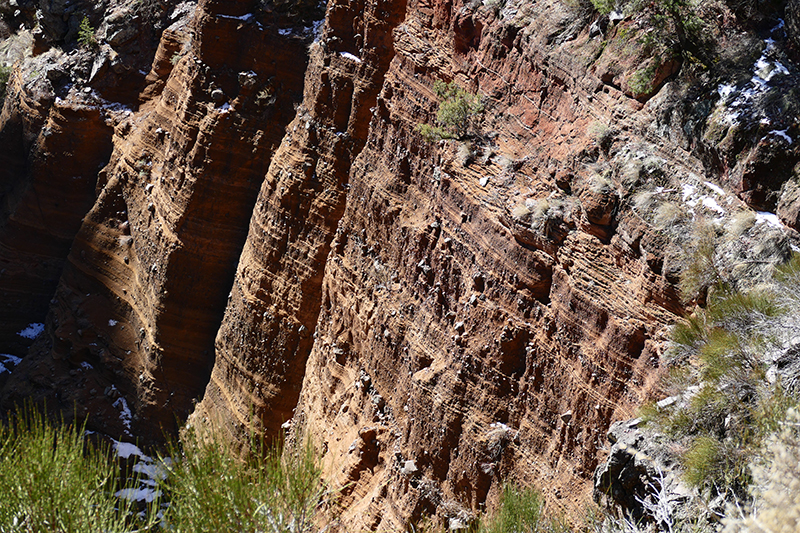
<point>441,316</point>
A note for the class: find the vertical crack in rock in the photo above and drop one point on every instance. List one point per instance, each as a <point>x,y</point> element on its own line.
<point>267,333</point>
<point>147,280</point>
<point>48,185</point>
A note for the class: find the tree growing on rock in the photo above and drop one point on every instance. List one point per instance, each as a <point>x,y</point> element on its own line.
<point>456,113</point>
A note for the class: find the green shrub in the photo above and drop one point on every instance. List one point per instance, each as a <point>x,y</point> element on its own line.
<point>433,133</point>
<point>641,82</point>
<point>52,479</point>
<point>673,29</point>
<point>212,488</point>
<point>5,73</point>
<point>521,510</point>
<point>725,405</point>
<point>457,109</point>
<point>604,6</point>
<point>86,36</point>
<point>776,487</point>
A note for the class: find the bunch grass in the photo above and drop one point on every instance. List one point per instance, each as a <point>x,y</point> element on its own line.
<point>53,479</point>
<point>212,487</point>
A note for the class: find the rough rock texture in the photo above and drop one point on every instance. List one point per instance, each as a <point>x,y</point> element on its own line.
<point>266,335</point>
<point>640,474</point>
<point>439,316</point>
<point>451,333</point>
<point>150,269</point>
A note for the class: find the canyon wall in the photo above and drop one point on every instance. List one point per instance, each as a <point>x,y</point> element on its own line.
<point>270,236</point>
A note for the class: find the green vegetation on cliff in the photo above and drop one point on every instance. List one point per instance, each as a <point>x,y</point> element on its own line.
<point>457,109</point>
<point>53,479</point>
<point>5,73</point>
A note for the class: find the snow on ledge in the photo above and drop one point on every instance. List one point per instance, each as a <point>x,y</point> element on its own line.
<point>32,331</point>
<point>763,217</point>
<point>348,55</point>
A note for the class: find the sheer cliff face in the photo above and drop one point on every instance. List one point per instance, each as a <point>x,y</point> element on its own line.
<point>270,235</point>
<point>450,346</point>
<point>149,271</point>
<point>267,332</point>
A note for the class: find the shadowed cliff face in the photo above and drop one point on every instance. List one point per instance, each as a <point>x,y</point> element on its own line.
<point>266,334</point>
<point>270,235</point>
<point>150,269</point>
<point>48,178</point>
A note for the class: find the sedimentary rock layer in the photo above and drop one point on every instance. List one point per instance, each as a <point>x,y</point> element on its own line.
<point>149,272</point>
<point>446,338</point>
<point>266,335</point>
<point>272,235</point>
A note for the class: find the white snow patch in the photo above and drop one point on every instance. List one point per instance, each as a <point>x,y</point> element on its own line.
<point>716,188</point>
<point>285,31</point>
<point>224,108</point>
<point>243,18</point>
<point>764,70</point>
<point>782,134</point>
<point>763,217</point>
<point>124,413</point>
<point>710,203</point>
<point>116,106</point>
<point>688,194</point>
<point>348,55</point>
<point>8,359</point>
<point>725,90</point>
<point>157,471</point>
<point>315,29</point>
<point>182,9</point>
<point>112,322</point>
<point>126,449</point>
<point>86,366</point>
<point>32,331</point>
<point>138,495</point>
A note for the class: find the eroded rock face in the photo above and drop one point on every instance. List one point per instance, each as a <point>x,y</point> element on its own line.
<point>266,336</point>
<point>439,316</point>
<point>150,268</point>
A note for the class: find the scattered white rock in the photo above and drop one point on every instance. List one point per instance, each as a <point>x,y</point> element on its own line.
<point>409,468</point>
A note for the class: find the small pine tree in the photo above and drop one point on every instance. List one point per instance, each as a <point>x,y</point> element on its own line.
<point>86,36</point>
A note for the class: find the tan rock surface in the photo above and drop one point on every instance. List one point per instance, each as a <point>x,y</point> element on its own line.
<point>448,336</point>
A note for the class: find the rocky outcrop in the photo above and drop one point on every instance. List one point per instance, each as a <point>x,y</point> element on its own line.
<point>150,269</point>
<point>267,332</point>
<point>271,235</point>
<point>641,479</point>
